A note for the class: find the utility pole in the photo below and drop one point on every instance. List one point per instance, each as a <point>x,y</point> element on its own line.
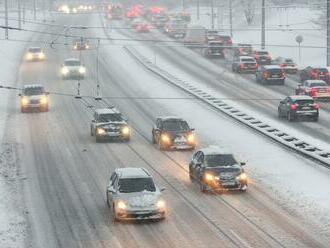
<point>231,17</point>
<point>19,14</point>
<point>197,9</point>
<point>6,19</point>
<point>212,15</point>
<point>328,32</point>
<point>263,26</point>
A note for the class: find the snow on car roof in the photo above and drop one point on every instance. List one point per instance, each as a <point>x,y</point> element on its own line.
<point>132,172</point>
<point>213,150</point>
<point>71,59</point>
<point>301,97</point>
<point>169,118</point>
<point>32,86</point>
<point>107,111</point>
<point>272,67</point>
<point>315,81</point>
<point>246,57</point>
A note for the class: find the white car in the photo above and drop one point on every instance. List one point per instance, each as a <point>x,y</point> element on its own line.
<point>73,69</point>
<point>33,96</point>
<point>35,54</point>
<point>132,195</point>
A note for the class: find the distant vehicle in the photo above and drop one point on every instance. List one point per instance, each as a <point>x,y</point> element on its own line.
<point>142,28</point>
<point>216,169</point>
<point>270,74</point>
<point>245,64</point>
<point>262,57</point>
<point>159,21</point>
<point>195,36</point>
<point>35,54</point>
<point>115,12</point>
<point>73,69</point>
<point>243,50</point>
<point>80,44</point>
<point>136,22</point>
<point>132,195</point>
<point>318,89</point>
<point>108,123</point>
<point>173,133</point>
<point>294,107</point>
<point>34,96</point>
<point>175,28</point>
<point>226,39</point>
<point>287,64</point>
<point>214,49</point>
<point>320,73</point>
<point>212,35</point>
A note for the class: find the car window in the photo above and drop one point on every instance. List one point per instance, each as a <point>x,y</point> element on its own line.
<point>247,60</point>
<point>110,117</point>
<point>130,185</point>
<point>322,69</point>
<point>33,91</point>
<point>72,62</point>
<point>175,125</point>
<point>318,84</point>
<point>215,160</point>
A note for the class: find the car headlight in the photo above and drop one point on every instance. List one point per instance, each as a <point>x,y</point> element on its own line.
<point>209,177</point>
<point>125,130</point>
<point>64,70</point>
<point>87,46</point>
<point>121,205</point>
<point>100,131</point>
<point>74,10</point>
<point>43,100</point>
<point>160,204</point>
<point>41,55</point>
<point>29,56</point>
<point>165,138</point>
<point>82,70</point>
<point>191,138</point>
<point>25,101</point>
<point>242,177</point>
<point>75,47</point>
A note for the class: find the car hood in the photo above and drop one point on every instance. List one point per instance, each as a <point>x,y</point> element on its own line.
<point>140,199</point>
<point>34,97</point>
<point>111,124</point>
<point>72,68</point>
<point>233,169</point>
<point>174,134</point>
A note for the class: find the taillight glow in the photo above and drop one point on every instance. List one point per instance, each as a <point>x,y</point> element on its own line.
<point>294,106</point>
<point>316,106</point>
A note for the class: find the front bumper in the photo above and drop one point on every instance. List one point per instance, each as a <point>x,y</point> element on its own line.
<point>218,185</point>
<point>112,135</point>
<point>140,214</point>
<point>73,75</point>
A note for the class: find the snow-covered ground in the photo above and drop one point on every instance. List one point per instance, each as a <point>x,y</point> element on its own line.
<point>13,223</point>
<point>288,22</point>
<point>297,183</point>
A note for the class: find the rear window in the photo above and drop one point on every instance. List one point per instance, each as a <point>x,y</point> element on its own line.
<point>288,61</point>
<point>304,102</point>
<point>262,53</point>
<point>248,60</point>
<point>322,69</point>
<point>225,38</point>
<point>318,84</point>
<point>130,185</point>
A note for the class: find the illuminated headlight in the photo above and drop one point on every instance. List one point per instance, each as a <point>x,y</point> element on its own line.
<point>161,204</point>
<point>121,205</point>
<point>75,47</point>
<point>43,100</point>
<point>74,10</point>
<point>242,177</point>
<point>65,70</point>
<point>87,46</point>
<point>90,7</point>
<point>41,55</point>
<point>82,70</point>
<point>100,131</point>
<point>209,177</point>
<point>191,138</point>
<point>29,56</point>
<point>25,101</point>
<point>165,138</point>
<point>125,130</point>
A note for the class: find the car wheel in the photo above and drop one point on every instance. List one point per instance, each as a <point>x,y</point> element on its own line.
<point>127,139</point>
<point>23,110</point>
<point>316,118</point>
<point>97,139</point>
<point>202,187</point>
<point>92,132</point>
<point>108,203</point>
<point>191,176</point>
<point>290,117</point>
<point>279,113</point>
<point>160,146</point>
<point>153,138</point>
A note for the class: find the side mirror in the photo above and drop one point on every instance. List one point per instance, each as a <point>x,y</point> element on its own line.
<point>282,101</point>
<point>242,163</point>
<point>93,121</point>
<point>162,189</point>
<point>110,189</point>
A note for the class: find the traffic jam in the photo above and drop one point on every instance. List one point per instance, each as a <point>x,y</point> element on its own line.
<point>212,168</point>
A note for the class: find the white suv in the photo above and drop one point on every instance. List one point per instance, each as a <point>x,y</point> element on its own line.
<point>73,69</point>
<point>132,194</point>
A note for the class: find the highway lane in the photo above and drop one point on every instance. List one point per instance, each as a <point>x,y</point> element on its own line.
<point>219,77</point>
<point>67,173</point>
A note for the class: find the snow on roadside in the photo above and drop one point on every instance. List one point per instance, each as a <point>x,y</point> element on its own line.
<point>13,222</point>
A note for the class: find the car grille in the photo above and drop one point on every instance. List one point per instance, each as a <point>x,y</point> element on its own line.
<point>34,101</point>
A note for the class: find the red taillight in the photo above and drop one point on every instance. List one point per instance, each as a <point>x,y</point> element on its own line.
<point>314,74</point>
<point>313,92</point>
<point>294,106</point>
<point>265,74</point>
<point>242,66</point>
<point>316,106</point>
<point>256,56</point>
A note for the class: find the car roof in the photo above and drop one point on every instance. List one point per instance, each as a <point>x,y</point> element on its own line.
<point>301,97</point>
<point>167,118</point>
<point>214,150</point>
<point>71,59</point>
<point>246,57</point>
<point>263,51</point>
<point>107,111</point>
<point>272,67</point>
<point>35,48</point>
<point>315,81</point>
<point>132,172</point>
<point>33,86</point>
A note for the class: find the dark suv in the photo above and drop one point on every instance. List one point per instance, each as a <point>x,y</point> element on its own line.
<point>173,133</point>
<point>270,74</point>
<point>108,123</point>
<point>320,73</point>
<point>293,107</point>
<point>217,169</point>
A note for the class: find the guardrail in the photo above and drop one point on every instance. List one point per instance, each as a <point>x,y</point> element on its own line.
<point>296,144</point>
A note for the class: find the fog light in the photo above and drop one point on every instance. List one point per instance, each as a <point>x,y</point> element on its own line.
<point>209,177</point>
<point>191,138</point>
<point>65,70</point>
<point>161,204</point>
<point>165,138</point>
<point>82,70</point>
<point>43,100</point>
<point>121,205</point>
<point>100,131</point>
<point>125,131</point>
<point>25,101</point>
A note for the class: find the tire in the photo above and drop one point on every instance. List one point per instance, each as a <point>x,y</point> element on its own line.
<point>202,187</point>
<point>153,138</point>
<point>290,117</point>
<point>316,119</point>
<point>108,203</point>
<point>114,217</point>
<point>92,132</point>
<point>23,110</point>
<point>279,113</point>
<point>97,139</point>
<point>191,176</point>
<point>127,139</point>
<point>160,146</point>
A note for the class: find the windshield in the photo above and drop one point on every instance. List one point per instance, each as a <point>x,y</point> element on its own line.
<point>35,50</point>
<point>318,84</point>
<point>304,102</point>
<point>275,70</point>
<point>33,91</point>
<point>130,185</point>
<point>72,62</point>
<point>175,125</point>
<point>322,69</point>
<point>220,160</point>
<point>248,60</point>
<point>110,117</point>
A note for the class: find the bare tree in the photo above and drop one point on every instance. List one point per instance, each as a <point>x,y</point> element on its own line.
<point>249,10</point>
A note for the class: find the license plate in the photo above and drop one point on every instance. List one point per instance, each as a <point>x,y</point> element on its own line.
<point>305,108</point>
<point>275,76</point>
<point>229,184</point>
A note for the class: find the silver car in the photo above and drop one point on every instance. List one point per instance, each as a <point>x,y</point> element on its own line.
<point>132,195</point>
